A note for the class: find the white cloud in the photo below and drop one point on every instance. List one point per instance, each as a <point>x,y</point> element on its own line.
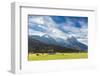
<point>33,32</point>
<point>52,29</point>
<point>79,33</point>
<point>37,19</point>
<point>45,22</point>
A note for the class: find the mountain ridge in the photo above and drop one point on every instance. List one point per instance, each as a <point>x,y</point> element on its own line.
<point>36,46</point>
<point>71,42</point>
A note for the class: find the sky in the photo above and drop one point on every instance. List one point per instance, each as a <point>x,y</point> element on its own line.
<point>59,26</point>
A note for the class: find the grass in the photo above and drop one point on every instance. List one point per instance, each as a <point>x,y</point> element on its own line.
<point>45,56</point>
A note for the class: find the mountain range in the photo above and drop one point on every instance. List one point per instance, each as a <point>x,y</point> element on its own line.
<point>43,41</point>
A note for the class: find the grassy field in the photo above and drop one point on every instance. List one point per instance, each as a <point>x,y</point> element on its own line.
<point>45,56</point>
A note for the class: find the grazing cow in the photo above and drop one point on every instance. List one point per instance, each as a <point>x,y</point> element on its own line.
<point>62,54</point>
<point>37,54</point>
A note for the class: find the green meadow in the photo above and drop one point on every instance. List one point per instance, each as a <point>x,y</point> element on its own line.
<point>46,56</point>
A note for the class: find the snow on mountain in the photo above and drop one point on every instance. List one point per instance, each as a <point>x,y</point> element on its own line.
<point>70,42</point>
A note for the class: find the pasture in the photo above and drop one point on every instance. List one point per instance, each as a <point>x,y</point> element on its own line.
<point>46,56</point>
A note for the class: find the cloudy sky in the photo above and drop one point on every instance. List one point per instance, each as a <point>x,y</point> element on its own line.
<point>59,26</point>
